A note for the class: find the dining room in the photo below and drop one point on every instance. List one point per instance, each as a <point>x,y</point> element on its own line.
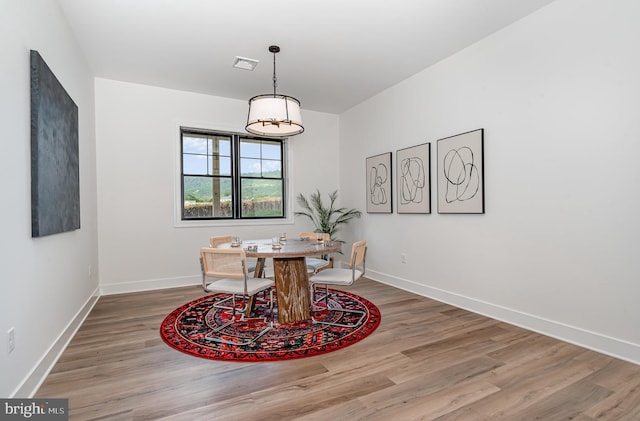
<point>540,280</point>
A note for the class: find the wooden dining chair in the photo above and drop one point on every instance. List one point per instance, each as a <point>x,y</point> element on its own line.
<point>216,241</point>
<point>341,277</point>
<point>223,239</point>
<point>314,264</point>
<point>229,269</point>
<point>213,243</point>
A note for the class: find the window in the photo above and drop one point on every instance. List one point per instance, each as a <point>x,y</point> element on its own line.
<point>231,176</point>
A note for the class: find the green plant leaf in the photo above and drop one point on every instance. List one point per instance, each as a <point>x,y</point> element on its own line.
<point>325,218</point>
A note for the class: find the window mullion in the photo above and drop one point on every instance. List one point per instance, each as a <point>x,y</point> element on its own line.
<point>237,197</point>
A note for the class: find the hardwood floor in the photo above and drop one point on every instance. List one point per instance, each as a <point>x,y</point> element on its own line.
<point>426,361</point>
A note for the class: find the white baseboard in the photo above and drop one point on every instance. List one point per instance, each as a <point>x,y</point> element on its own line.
<point>604,344</point>
<point>591,340</point>
<point>149,285</point>
<point>40,371</point>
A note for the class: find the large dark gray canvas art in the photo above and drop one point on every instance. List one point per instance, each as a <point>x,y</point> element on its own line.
<point>55,180</point>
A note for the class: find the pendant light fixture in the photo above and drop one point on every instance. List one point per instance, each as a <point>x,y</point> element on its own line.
<point>274,115</point>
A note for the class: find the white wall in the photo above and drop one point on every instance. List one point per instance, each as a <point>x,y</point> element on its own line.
<point>558,95</point>
<point>44,282</point>
<point>137,134</point>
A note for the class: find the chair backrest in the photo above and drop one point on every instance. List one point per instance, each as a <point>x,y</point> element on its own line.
<point>358,254</point>
<point>224,263</point>
<point>216,241</point>
<point>314,235</point>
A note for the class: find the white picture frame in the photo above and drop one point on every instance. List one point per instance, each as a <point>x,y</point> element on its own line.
<point>379,190</point>
<point>461,173</point>
<point>413,179</point>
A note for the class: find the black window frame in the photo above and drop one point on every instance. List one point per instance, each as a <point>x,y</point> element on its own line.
<point>235,174</point>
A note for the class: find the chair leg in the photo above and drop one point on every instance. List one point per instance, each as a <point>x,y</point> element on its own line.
<point>218,329</point>
<point>233,304</point>
<point>271,307</point>
<point>362,314</point>
<point>243,343</point>
<point>324,297</point>
<point>209,336</point>
<point>314,300</point>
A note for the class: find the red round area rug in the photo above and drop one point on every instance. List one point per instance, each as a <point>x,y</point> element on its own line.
<point>189,329</point>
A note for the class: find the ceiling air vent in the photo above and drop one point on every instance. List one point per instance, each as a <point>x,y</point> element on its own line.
<point>245,63</point>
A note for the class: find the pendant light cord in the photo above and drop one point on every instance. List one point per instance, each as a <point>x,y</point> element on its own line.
<point>275,80</point>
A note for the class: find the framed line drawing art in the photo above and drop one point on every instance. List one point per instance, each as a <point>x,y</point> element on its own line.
<point>413,178</point>
<point>379,194</point>
<point>461,173</point>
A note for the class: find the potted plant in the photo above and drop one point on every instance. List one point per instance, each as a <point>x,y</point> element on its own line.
<point>325,218</point>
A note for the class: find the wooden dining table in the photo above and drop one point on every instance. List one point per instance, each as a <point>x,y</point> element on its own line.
<point>291,278</point>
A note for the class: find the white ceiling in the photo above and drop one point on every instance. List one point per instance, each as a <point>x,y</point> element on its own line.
<point>334,53</point>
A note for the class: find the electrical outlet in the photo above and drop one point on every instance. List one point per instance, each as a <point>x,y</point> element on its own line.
<point>403,258</point>
<point>11,340</point>
<point>90,272</point>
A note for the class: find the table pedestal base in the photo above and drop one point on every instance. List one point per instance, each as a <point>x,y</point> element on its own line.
<point>292,289</point>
